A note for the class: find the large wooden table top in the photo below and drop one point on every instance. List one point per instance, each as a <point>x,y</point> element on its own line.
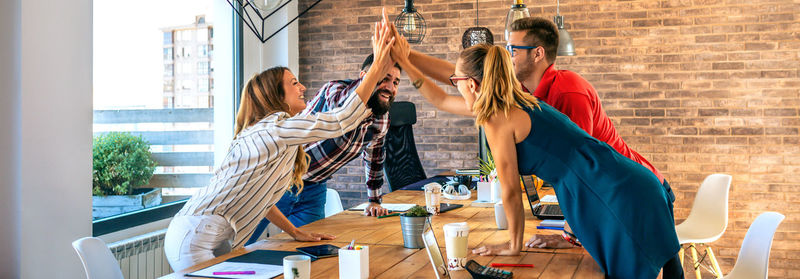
<point>388,258</point>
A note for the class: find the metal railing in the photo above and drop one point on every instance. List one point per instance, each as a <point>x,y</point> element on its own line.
<point>168,138</point>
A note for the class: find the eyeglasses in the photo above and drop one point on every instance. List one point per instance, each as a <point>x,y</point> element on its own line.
<point>511,48</point>
<point>454,79</point>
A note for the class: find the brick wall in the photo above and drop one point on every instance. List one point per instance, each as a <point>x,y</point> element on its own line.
<point>697,87</point>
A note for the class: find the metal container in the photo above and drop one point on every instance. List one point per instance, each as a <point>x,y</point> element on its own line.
<point>412,231</point>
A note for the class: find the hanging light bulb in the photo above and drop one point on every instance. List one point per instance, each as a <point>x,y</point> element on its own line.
<point>264,6</point>
<point>410,23</point>
<point>517,11</point>
<point>566,47</point>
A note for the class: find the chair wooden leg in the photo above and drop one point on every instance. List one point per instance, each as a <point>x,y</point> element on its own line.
<point>680,255</point>
<point>714,262</point>
<point>695,264</point>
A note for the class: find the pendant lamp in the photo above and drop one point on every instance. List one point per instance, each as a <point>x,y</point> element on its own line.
<point>410,23</point>
<point>476,35</point>
<point>566,47</point>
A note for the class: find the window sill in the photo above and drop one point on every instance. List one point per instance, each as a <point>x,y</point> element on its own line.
<point>132,219</point>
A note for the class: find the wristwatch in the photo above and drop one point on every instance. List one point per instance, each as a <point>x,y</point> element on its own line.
<point>375,200</point>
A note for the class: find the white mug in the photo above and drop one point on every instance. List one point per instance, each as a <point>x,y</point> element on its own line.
<point>500,216</point>
<point>297,267</point>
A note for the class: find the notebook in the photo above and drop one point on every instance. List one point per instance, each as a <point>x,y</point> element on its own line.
<point>266,264</point>
<point>394,207</point>
<point>539,209</point>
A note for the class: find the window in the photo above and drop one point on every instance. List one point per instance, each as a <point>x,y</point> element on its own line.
<point>202,67</point>
<point>174,112</point>
<point>168,38</point>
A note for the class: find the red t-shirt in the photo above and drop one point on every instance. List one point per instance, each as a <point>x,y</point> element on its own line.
<point>573,96</point>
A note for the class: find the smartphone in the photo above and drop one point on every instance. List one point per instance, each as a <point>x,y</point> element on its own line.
<point>320,251</point>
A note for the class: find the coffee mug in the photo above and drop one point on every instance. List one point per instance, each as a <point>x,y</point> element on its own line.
<point>500,216</point>
<point>297,267</point>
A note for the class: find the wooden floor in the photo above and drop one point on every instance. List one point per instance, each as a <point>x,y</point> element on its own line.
<point>388,258</point>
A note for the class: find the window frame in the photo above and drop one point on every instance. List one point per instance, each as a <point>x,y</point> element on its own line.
<point>132,219</point>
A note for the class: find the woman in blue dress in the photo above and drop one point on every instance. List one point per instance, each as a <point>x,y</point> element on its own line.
<point>617,208</point>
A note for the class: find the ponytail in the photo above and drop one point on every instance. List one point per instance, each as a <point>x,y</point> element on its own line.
<point>499,89</point>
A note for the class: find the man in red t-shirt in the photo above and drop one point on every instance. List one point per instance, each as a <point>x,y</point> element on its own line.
<point>533,46</point>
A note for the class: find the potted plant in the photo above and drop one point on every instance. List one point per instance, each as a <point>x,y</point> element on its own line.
<point>121,162</point>
<point>413,224</point>
<point>489,170</point>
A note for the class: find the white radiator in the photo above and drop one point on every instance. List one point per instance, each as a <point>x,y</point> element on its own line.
<point>142,257</point>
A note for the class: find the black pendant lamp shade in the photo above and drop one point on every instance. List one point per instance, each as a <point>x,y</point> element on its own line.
<point>410,23</point>
<point>476,35</point>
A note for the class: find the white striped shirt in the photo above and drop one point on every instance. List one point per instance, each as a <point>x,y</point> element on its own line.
<point>259,165</point>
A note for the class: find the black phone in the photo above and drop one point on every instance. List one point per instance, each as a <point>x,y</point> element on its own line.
<point>320,251</point>
<point>449,206</point>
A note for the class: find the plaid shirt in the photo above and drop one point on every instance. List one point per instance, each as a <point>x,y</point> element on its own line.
<point>328,156</point>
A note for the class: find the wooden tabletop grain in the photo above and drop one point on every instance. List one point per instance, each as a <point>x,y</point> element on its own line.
<point>388,258</point>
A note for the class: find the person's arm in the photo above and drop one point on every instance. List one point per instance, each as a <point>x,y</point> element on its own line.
<point>374,156</point>
<point>432,92</point>
<point>275,216</point>
<point>500,136</point>
<point>436,68</point>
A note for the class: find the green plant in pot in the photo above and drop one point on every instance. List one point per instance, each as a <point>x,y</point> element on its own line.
<point>121,162</point>
<point>413,224</point>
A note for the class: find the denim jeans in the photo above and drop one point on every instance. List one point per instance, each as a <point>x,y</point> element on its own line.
<point>300,209</point>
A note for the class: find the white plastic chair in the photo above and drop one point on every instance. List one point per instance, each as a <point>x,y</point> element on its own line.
<point>707,220</point>
<point>753,260</point>
<point>333,203</point>
<point>98,262</point>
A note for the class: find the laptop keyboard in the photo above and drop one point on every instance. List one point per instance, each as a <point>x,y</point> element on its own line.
<point>552,210</point>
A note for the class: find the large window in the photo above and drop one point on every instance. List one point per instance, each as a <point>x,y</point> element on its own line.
<point>148,84</point>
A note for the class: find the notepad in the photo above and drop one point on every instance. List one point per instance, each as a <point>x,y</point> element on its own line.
<point>266,264</point>
<point>396,207</point>
<point>549,199</point>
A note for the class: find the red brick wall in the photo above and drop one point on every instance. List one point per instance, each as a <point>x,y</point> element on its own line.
<point>697,87</point>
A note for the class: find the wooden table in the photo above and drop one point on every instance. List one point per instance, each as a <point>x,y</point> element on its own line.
<point>388,258</point>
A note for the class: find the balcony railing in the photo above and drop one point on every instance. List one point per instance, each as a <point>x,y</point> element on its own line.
<point>169,159</point>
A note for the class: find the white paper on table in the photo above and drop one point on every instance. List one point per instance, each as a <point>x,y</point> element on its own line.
<point>262,270</point>
<point>550,199</point>
<point>389,206</point>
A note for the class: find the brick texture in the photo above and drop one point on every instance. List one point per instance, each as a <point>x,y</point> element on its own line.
<point>697,87</point>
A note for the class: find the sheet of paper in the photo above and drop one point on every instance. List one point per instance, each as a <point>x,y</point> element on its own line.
<point>389,206</point>
<point>549,199</point>
<point>262,270</point>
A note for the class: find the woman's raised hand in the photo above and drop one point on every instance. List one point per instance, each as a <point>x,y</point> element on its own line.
<point>382,41</point>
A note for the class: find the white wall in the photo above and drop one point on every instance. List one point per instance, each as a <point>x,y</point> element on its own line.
<point>56,47</point>
<point>281,50</point>
<point>9,137</point>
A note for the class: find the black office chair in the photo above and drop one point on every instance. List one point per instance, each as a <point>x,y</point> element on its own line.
<point>402,166</point>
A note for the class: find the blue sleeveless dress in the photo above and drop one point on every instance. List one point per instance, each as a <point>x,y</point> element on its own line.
<point>616,207</point>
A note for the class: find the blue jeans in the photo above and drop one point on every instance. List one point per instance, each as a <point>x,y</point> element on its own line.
<point>307,207</point>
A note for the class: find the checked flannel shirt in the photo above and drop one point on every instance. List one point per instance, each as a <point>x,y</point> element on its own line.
<point>329,155</point>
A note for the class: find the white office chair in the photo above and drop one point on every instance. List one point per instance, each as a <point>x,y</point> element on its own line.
<point>333,203</point>
<point>707,220</point>
<point>98,262</point>
<point>753,260</point>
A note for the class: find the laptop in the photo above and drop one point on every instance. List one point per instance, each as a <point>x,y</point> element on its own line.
<point>435,254</point>
<point>540,210</point>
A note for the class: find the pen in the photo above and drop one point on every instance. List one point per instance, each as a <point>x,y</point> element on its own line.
<point>510,265</point>
<point>233,272</point>
<point>549,228</point>
<point>351,247</point>
<point>389,215</point>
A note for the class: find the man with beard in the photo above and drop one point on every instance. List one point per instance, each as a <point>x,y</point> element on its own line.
<point>328,156</point>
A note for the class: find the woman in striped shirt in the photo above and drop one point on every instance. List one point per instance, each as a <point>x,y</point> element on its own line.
<point>264,160</point>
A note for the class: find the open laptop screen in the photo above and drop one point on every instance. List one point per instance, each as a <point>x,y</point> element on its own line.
<point>530,189</point>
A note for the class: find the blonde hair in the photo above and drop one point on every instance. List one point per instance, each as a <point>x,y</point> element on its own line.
<point>263,95</point>
<point>499,88</point>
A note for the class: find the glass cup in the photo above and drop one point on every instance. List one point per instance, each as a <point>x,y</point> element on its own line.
<point>433,198</point>
<point>455,239</point>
